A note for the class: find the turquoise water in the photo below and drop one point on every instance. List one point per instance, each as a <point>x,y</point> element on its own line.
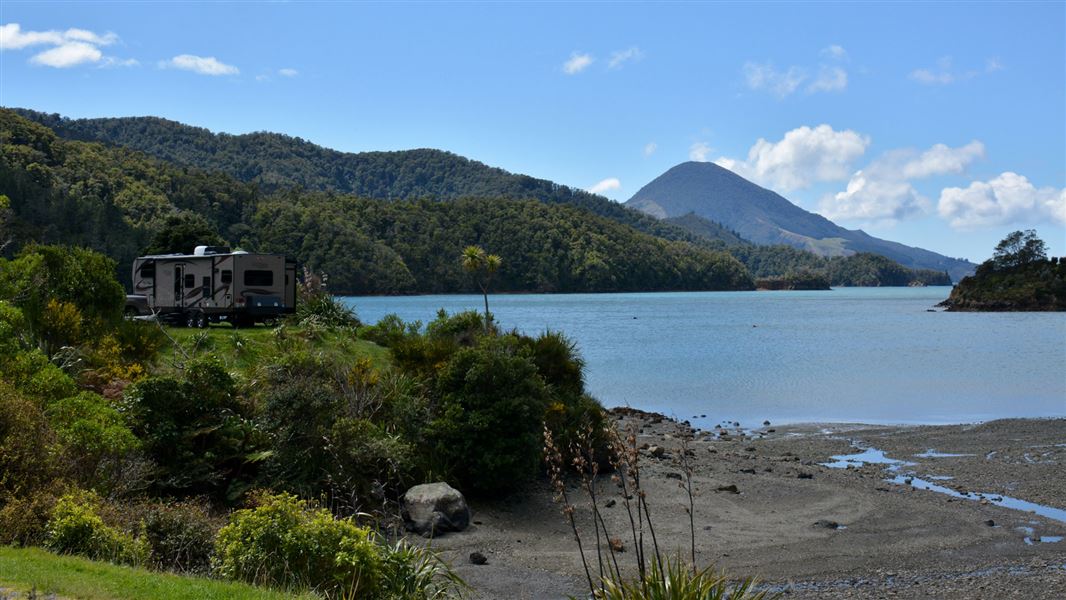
<point>871,355</point>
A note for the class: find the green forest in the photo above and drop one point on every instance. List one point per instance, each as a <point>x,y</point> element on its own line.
<point>377,223</point>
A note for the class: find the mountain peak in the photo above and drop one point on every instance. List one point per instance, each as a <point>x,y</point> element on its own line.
<point>765,217</point>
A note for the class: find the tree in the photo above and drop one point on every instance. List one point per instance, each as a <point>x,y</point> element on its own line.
<point>1019,248</point>
<point>181,232</point>
<point>483,266</point>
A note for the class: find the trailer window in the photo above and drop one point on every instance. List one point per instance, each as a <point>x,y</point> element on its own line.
<point>227,276</point>
<point>190,281</point>
<point>259,278</point>
<point>148,270</point>
<point>207,287</point>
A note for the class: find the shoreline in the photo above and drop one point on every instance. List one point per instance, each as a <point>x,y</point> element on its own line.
<point>887,537</point>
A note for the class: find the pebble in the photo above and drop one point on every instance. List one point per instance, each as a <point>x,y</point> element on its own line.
<point>478,558</point>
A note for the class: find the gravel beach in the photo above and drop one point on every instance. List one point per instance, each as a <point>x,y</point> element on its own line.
<point>808,530</point>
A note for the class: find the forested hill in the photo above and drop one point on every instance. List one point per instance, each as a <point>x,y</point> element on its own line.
<point>275,162</point>
<point>122,202</point>
<point>765,217</point>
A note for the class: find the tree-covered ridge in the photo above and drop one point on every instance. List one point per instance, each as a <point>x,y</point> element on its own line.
<point>380,247</point>
<point>122,203</point>
<point>276,162</point>
<point>110,199</point>
<point>1019,277</point>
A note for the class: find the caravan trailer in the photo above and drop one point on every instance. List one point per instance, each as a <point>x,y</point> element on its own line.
<point>213,284</point>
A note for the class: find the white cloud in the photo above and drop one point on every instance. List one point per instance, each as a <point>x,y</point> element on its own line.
<point>68,55</point>
<point>84,35</point>
<point>13,38</point>
<point>871,199</point>
<point>699,151</point>
<point>204,65</point>
<point>620,57</point>
<point>611,183</point>
<point>112,61</point>
<point>69,48</point>
<point>941,160</point>
<point>882,191</point>
<point>288,72</point>
<point>766,77</point>
<point>945,72</point>
<point>804,156</point>
<point>650,148</point>
<point>834,52</point>
<point>577,63</point>
<point>1009,198</point>
<point>829,79</point>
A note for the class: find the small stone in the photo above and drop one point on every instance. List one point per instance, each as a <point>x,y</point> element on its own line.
<point>673,476</point>
<point>617,545</point>
<point>750,449</point>
<point>747,471</point>
<point>990,523</point>
<point>732,489</point>
<point>765,423</point>
<point>478,558</point>
<point>827,524</point>
<point>908,481</point>
<point>657,451</point>
<point>610,503</point>
<point>771,430</point>
<point>805,476</point>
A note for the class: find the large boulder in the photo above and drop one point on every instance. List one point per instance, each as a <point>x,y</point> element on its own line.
<point>433,508</point>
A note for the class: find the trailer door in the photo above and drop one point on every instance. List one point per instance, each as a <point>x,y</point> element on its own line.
<point>179,286</point>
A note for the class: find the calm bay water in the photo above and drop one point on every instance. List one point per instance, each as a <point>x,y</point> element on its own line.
<point>849,355</point>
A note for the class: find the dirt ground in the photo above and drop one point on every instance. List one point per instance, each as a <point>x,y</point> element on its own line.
<point>890,539</point>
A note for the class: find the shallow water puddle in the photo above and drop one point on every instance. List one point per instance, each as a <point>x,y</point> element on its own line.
<point>931,453</point>
<point>874,456</point>
<point>871,456</point>
<point>1056,514</point>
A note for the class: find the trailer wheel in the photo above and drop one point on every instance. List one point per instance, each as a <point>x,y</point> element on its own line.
<point>196,319</point>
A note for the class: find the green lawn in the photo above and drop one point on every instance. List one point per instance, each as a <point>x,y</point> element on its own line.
<point>24,569</point>
<point>244,349</point>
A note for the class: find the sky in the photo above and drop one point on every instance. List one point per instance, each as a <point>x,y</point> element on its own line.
<point>939,125</point>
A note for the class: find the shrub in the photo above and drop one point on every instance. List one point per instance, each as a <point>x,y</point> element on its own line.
<point>364,457</point>
<point>389,331</point>
<point>196,430</point>
<point>487,431</point>
<point>26,445</point>
<point>180,535</point>
<point>76,528</point>
<point>315,305</point>
<point>285,542</point>
<point>90,431</point>
<point>678,581</point>
<point>24,519</point>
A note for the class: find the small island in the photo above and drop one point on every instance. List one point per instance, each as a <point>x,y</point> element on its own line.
<point>1018,277</point>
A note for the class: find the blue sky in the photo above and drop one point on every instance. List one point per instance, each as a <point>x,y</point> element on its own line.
<point>941,125</point>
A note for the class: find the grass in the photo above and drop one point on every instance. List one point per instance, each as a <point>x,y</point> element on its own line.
<point>25,569</point>
<point>244,349</point>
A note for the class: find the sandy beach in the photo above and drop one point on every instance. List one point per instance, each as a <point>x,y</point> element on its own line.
<point>850,530</point>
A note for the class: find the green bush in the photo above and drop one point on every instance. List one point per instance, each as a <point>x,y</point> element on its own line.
<point>365,456</point>
<point>487,430</point>
<point>24,519</point>
<point>285,542</point>
<point>76,528</point>
<point>180,535</point>
<point>91,431</point>
<point>60,276</point>
<point>198,431</point>
<point>27,460</point>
